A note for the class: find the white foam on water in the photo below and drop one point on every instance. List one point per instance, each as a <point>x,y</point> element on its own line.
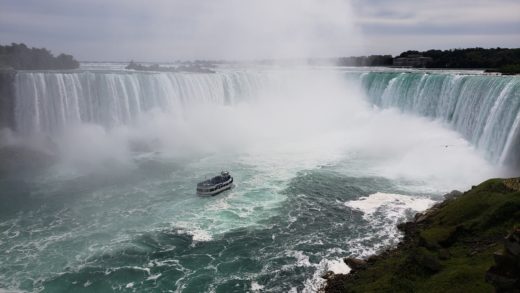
<point>154,277</point>
<point>338,267</point>
<point>197,234</point>
<point>383,211</point>
<point>316,282</point>
<point>268,145</point>
<point>255,287</point>
<point>11,291</point>
<point>393,204</point>
<point>302,260</point>
<point>200,235</point>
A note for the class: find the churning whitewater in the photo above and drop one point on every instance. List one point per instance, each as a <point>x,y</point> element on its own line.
<point>326,162</point>
<point>484,109</point>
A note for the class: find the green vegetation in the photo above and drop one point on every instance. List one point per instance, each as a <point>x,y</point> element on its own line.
<point>19,56</point>
<point>195,67</point>
<point>500,59</point>
<point>372,60</point>
<point>448,249</point>
<point>507,69</point>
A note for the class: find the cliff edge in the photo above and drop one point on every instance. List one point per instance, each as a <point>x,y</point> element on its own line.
<point>449,248</point>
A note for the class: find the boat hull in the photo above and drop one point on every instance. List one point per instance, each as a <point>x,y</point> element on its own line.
<point>214,192</point>
<point>206,188</point>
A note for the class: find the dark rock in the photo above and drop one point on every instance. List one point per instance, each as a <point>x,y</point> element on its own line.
<point>456,229</point>
<point>505,274</point>
<point>408,228</point>
<point>425,260</point>
<point>501,282</point>
<point>513,183</point>
<point>444,254</point>
<point>452,195</point>
<point>427,244</point>
<point>472,253</point>
<point>504,261</point>
<point>328,275</point>
<point>421,218</point>
<point>454,236</point>
<point>355,263</point>
<point>512,248</point>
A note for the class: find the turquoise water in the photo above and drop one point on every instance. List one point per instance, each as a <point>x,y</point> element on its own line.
<point>320,174</point>
<point>145,230</point>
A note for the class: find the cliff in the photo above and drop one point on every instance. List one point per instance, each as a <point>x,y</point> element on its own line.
<point>449,248</point>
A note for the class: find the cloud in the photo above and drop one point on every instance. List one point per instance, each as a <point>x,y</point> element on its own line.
<point>231,29</point>
<point>398,25</point>
<point>166,30</point>
<point>428,16</point>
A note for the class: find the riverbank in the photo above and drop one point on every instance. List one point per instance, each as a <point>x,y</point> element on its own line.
<point>449,248</point>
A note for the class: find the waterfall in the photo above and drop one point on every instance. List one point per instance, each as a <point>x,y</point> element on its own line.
<point>484,109</point>
<point>47,102</point>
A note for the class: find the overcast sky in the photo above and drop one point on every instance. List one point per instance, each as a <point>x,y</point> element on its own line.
<point>167,30</point>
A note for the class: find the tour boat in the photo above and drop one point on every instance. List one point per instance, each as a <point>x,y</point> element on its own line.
<point>215,185</point>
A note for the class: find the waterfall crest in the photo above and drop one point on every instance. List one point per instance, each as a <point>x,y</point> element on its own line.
<point>484,109</point>
<point>47,102</point>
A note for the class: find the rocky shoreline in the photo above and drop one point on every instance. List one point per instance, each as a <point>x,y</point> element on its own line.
<point>455,246</point>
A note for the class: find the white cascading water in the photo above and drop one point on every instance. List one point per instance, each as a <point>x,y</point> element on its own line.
<point>49,101</point>
<point>307,150</point>
<point>484,109</point>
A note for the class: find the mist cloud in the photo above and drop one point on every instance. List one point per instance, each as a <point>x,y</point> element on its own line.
<point>163,30</point>
<point>168,30</point>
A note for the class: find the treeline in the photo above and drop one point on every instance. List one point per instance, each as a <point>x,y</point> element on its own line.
<point>372,60</point>
<point>19,56</point>
<point>195,67</point>
<point>495,58</point>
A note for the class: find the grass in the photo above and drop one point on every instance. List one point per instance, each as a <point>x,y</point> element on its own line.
<point>448,252</point>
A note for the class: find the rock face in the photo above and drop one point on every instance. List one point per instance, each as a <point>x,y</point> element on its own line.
<point>505,274</point>
<point>355,263</point>
<point>7,96</point>
<point>448,248</point>
<point>453,194</point>
<point>513,183</point>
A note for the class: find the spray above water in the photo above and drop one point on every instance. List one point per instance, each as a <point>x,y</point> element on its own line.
<point>117,209</point>
<point>227,29</point>
<point>307,116</point>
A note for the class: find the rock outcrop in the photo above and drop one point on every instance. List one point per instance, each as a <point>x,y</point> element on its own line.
<point>513,183</point>
<point>355,263</point>
<point>505,274</point>
<point>448,248</point>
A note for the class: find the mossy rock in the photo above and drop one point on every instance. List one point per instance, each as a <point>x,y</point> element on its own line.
<point>450,251</point>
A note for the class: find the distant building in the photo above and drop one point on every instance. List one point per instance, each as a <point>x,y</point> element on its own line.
<point>415,60</point>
